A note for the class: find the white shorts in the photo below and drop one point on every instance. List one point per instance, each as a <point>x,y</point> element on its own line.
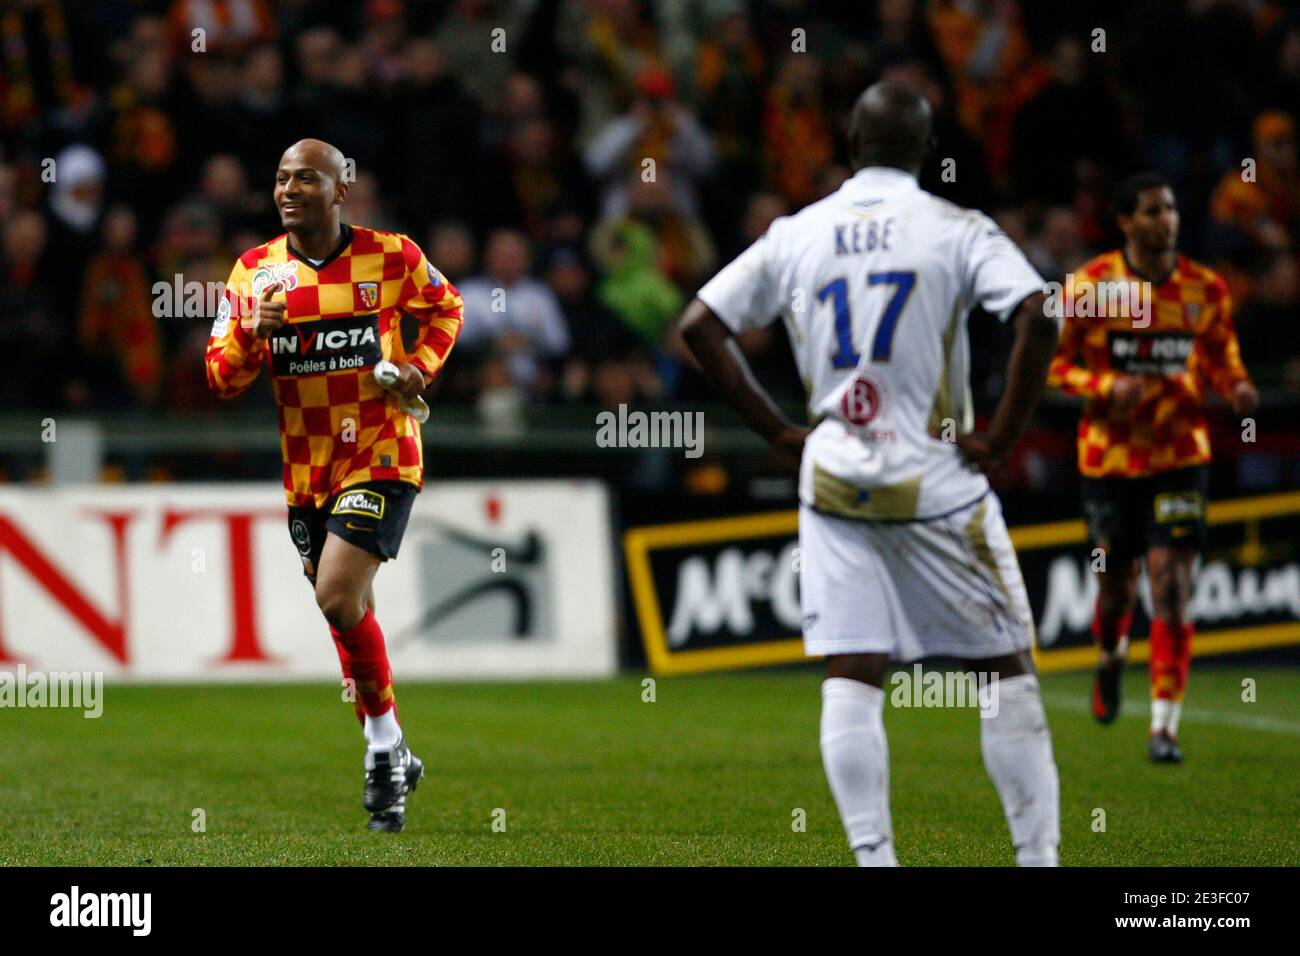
<point>946,587</point>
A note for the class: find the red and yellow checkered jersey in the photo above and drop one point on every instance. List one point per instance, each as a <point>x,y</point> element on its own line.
<point>338,427</point>
<point>1184,341</point>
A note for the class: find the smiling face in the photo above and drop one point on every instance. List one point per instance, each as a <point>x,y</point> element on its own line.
<point>308,187</point>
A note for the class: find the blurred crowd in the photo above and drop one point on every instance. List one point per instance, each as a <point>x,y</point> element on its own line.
<point>579,167</point>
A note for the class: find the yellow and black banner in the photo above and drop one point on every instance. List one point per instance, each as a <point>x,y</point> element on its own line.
<point>724,593</point>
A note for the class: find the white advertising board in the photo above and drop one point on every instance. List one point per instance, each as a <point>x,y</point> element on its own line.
<point>202,582</point>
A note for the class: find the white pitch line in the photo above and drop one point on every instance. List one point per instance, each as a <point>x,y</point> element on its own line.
<point>1251,722</point>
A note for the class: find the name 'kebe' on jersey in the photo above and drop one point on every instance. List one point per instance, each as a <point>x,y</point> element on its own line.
<point>858,237</point>
<point>874,284</point>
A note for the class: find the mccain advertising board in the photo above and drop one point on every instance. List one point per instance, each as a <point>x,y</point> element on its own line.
<point>724,593</point>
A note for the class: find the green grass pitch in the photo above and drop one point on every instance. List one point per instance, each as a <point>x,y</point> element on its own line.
<point>711,773</point>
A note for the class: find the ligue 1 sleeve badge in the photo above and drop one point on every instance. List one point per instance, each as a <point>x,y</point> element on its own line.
<point>434,276</point>
<point>222,322</point>
<point>369,293</point>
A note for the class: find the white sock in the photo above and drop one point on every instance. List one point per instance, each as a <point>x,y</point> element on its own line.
<point>382,733</point>
<point>856,758</point>
<point>1161,710</point>
<point>1017,749</point>
<point>1175,711</point>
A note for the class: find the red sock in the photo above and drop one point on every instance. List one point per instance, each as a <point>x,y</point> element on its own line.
<point>1107,632</point>
<point>345,661</point>
<point>1182,656</point>
<point>1166,642</point>
<point>369,662</point>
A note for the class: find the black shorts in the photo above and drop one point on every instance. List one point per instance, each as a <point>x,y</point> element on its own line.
<point>372,516</point>
<point>1126,516</point>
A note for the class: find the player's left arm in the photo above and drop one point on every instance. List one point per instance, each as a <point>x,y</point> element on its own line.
<point>1002,282</point>
<point>1031,353</point>
<point>1218,356</point>
<point>434,303</point>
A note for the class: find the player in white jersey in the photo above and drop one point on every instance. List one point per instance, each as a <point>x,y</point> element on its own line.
<point>904,550</point>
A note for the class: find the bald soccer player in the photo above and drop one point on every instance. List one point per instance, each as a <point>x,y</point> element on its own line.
<point>321,306</point>
<point>904,550</point>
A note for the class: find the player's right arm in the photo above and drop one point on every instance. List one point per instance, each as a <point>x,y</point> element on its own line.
<point>744,292</point>
<point>1066,374</point>
<point>238,341</point>
<point>714,346</point>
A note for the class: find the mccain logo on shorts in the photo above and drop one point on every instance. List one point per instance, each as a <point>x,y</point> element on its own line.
<point>1155,353</point>
<point>1175,506</point>
<point>364,502</point>
<point>326,345</point>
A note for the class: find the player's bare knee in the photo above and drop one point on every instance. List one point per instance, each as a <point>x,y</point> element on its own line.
<point>1006,665</point>
<point>340,605</point>
<point>1115,602</point>
<point>1117,591</point>
<point>866,668</point>
<point>1167,588</point>
<point>1169,600</point>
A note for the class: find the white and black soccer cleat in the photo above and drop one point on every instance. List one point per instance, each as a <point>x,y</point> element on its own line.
<point>1163,748</point>
<point>396,773</point>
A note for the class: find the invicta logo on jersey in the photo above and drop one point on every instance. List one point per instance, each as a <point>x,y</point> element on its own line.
<point>310,348</point>
<point>1151,353</point>
<point>364,502</point>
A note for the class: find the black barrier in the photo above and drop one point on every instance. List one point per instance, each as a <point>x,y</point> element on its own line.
<point>226,905</point>
<point>722,593</point>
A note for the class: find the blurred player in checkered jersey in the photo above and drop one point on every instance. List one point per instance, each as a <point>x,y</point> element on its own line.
<point>1144,444</point>
<point>322,306</point>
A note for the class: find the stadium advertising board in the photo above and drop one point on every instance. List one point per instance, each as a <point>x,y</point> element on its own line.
<point>718,594</point>
<point>201,582</point>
